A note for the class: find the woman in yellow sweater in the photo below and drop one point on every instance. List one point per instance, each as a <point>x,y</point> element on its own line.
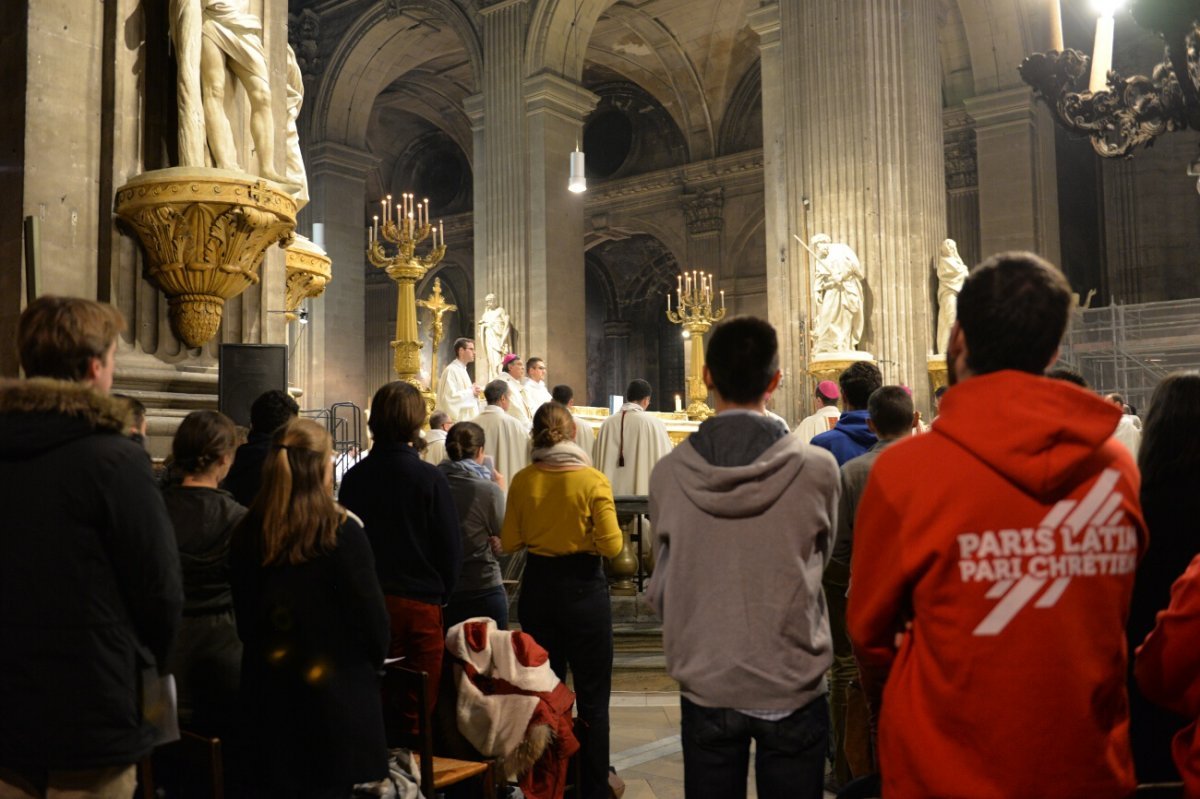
<point>561,510</point>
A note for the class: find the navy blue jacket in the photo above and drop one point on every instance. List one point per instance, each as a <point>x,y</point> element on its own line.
<point>849,438</point>
<point>409,516</point>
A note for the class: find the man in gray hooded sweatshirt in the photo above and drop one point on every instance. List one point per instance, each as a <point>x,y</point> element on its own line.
<point>744,518</point>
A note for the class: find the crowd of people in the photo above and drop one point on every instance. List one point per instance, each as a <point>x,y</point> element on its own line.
<point>1004,603</point>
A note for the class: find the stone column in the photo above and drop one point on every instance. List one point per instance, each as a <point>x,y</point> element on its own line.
<point>1018,188</point>
<point>337,177</point>
<point>554,302</point>
<point>853,148</point>
<point>702,211</point>
<point>962,184</point>
<point>501,188</point>
<point>616,350</point>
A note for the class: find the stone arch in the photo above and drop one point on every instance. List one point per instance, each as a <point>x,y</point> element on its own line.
<point>741,125</point>
<point>999,34</point>
<point>602,278</point>
<point>366,61</point>
<point>558,42</point>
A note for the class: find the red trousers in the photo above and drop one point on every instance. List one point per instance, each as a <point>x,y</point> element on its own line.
<point>417,637</point>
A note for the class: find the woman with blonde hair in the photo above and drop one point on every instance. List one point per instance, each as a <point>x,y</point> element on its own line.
<point>207,657</point>
<point>313,621</point>
<point>561,510</point>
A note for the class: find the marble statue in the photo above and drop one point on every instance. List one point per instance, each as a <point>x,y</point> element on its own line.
<point>951,273</point>
<point>296,175</point>
<point>213,38</point>
<point>495,335</point>
<point>837,296</point>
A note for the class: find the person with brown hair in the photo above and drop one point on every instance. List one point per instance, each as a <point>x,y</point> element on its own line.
<point>480,505</point>
<point>89,570</point>
<point>409,517</point>
<point>314,624</point>
<point>561,510</point>
<point>207,658</point>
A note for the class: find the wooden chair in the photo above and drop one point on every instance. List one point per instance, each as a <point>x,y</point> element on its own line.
<point>196,758</point>
<point>437,773</point>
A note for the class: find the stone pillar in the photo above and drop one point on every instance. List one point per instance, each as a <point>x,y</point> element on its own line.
<point>860,142</point>
<point>616,350</point>
<point>1018,188</point>
<point>702,211</point>
<point>337,177</point>
<point>787,306</point>
<point>554,310</point>
<point>962,184</point>
<point>501,188</point>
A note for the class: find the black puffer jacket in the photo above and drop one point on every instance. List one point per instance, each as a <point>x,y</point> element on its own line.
<point>90,592</point>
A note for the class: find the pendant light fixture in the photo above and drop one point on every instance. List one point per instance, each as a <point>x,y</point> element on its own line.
<point>577,183</point>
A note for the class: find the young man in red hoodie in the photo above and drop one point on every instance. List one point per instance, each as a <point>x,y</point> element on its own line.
<point>993,566</point>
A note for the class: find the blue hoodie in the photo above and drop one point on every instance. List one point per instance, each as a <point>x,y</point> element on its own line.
<point>849,438</point>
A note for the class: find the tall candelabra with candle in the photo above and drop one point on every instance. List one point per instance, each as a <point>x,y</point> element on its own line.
<point>694,311</point>
<point>393,240</point>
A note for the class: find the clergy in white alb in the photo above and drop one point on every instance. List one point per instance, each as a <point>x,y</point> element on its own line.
<point>512,372</point>
<point>456,394</point>
<point>505,440</point>
<point>827,396</point>
<point>631,442</point>
<point>435,437</point>
<point>584,437</point>
<point>536,393</point>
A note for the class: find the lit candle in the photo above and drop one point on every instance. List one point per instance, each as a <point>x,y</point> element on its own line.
<point>678,404</point>
<point>668,302</point>
<point>1056,29</point>
<point>441,233</point>
<point>427,210</point>
<point>679,284</point>
<point>722,299</point>
<point>389,204</point>
<point>376,227</point>
<point>410,223</point>
<point>1103,51</point>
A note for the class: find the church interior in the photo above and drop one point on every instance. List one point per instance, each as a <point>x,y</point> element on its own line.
<point>393,173</point>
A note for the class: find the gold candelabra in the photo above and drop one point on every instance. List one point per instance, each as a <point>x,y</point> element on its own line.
<point>393,239</point>
<point>694,310</point>
<point>437,306</point>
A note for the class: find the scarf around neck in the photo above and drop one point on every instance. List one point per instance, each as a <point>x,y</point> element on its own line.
<point>562,457</point>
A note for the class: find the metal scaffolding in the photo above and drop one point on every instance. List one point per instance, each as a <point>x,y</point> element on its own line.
<point>1128,349</point>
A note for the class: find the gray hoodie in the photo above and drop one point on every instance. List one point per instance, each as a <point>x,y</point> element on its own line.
<point>744,519</point>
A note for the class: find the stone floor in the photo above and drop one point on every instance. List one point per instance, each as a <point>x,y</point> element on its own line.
<point>645,748</point>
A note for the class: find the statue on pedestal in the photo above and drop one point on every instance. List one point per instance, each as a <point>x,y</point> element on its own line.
<point>951,273</point>
<point>495,335</point>
<point>837,296</point>
<point>213,38</point>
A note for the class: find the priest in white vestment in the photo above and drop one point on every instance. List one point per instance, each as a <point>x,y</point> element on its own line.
<point>536,393</point>
<point>584,437</point>
<point>504,439</point>
<point>512,372</point>
<point>456,394</point>
<point>631,442</point>
<point>827,396</point>
<point>435,437</point>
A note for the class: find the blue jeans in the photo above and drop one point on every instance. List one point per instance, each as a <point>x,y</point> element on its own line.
<point>789,761</point>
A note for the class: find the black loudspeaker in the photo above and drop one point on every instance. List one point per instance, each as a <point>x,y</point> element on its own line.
<point>246,371</point>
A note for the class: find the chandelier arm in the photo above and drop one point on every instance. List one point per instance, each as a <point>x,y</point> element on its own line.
<point>1177,50</point>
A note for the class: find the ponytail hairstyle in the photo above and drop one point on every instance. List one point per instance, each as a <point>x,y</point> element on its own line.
<point>299,518</point>
<point>552,424</point>
<point>464,441</point>
<point>202,440</point>
<point>397,414</point>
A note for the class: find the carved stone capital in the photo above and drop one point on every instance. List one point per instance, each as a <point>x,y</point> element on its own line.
<point>703,211</point>
<point>204,232</point>
<point>309,270</point>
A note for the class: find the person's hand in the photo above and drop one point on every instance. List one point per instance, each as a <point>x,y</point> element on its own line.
<point>494,542</point>
<point>478,391</point>
<point>499,480</point>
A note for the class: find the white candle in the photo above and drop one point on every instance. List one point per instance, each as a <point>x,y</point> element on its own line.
<point>679,283</point>
<point>427,210</point>
<point>388,205</point>
<point>441,232</point>
<point>678,403</point>
<point>722,299</point>
<point>376,226</point>
<point>668,302</point>
<point>1103,51</point>
<point>1056,29</point>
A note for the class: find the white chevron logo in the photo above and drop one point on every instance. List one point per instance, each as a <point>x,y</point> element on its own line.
<point>1100,506</point>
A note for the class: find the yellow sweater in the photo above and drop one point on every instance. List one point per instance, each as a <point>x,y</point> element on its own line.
<point>561,513</point>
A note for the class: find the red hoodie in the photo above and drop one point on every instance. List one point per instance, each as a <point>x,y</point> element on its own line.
<point>1008,537</point>
<point>1168,671</point>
